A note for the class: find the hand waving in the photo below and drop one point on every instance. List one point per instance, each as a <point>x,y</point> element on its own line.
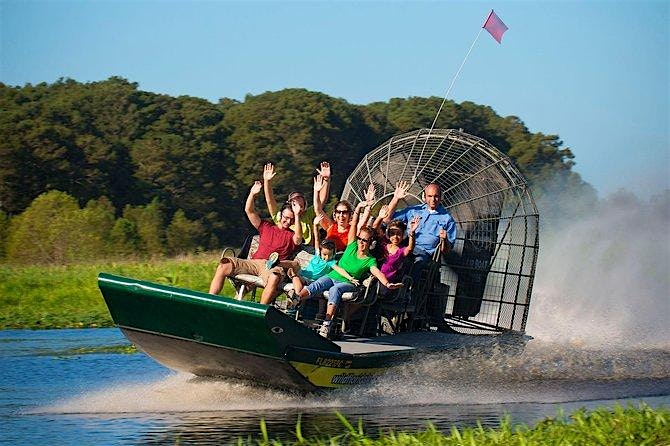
<point>268,172</point>
<point>370,194</point>
<point>414,224</point>
<point>324,171</point>
<point>295,207</point>
<point>319,183</point>
<point>256,188</point>
<point>401,189</point>
<point>384,211</point>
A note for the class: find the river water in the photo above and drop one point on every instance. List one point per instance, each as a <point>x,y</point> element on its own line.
<point>78,387</point>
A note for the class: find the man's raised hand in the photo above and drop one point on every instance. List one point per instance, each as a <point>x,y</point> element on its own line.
<point>268,172</point>
<point>414,223</point>
<point>256,188</point>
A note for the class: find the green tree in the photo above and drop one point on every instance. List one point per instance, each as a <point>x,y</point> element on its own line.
<point>124,239</point>
<point>184,235</point>
<point>295,129</point>
<point>4,229</point>
<point>149,223</point>
<point>96,222</point>
<point>46,231</point>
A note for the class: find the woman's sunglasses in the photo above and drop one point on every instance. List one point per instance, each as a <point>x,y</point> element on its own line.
<point>341,211</point>
<point>364,240</point>
<point>392,232</point>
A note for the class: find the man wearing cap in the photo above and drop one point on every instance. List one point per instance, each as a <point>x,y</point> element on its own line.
<point>297,197</point>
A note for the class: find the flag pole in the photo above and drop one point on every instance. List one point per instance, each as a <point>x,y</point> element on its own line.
<point>453,81</point>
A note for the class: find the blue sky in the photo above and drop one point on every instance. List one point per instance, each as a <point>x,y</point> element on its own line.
<point>595,73</point>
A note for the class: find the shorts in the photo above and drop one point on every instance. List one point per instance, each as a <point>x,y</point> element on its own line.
<point>255,267</point>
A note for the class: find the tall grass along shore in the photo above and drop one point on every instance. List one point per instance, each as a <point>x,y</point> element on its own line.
<point>67,296</point>
<point>631,425</point>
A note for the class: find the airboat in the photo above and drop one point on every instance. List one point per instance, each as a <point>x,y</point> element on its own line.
<point>476,296</point>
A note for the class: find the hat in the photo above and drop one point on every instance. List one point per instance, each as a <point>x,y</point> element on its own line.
<point>295,194</point>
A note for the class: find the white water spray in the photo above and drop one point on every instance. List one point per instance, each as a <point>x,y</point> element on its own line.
<point>604,279</point>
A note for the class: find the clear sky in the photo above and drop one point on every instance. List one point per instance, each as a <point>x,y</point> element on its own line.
<point>595,73</point>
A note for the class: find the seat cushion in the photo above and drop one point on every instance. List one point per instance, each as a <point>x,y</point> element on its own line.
<point>248,279</point>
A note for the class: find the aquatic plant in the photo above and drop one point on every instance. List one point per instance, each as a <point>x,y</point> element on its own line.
<point>630,425</point>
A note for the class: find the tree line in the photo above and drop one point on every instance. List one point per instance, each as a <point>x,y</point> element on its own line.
<point>103,168</point>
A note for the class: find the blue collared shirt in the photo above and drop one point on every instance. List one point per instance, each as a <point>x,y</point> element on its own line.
<point>428,231</point>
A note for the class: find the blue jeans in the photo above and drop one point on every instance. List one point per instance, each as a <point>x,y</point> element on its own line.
<point>421,259</point>
<point>335,289</point>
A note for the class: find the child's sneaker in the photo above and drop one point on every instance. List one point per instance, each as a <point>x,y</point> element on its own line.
<point>273,260</point>
<point>324,330</point>
<point>293,299</point>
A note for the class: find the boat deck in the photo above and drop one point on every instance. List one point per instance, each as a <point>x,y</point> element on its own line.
<point>423,341</point>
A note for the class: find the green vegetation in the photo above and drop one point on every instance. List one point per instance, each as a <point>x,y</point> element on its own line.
<point>104,170</point>
<point>68,296</point>
<point>619,426</point>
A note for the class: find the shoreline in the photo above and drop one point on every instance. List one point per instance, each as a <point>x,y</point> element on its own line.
<point>67,296</point>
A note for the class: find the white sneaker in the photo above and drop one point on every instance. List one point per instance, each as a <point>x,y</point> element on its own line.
<point>324,330</point>
<point>293,300</point>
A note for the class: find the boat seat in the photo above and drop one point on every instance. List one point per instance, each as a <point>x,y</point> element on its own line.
<point>302,257</point>
<point>248,283</point>
<point>406,308</point>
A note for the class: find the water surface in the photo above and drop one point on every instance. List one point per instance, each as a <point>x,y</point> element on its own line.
<point>79,387</point>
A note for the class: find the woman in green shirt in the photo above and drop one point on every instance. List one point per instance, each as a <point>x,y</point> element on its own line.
<point>348,272</point>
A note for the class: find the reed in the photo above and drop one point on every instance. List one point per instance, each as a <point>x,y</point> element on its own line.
<point>631,425</point>
<point>68,297</point>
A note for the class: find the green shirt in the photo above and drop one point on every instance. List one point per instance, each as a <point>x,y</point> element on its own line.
<point>306,228</point>
<point>352,264</point>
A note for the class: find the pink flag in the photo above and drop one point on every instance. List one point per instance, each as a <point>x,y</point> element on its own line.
<point>495,26</point>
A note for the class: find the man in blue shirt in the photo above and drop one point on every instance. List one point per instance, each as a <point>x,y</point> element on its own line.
<point>436,223</point>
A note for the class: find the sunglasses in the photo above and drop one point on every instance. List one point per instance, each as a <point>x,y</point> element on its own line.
<point>364,240</point>
<point>340,211</point>
<point>392,232</point>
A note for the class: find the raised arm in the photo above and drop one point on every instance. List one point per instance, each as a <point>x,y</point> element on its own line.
<point>399,193</point>
<point>319,185</point>
<point>383,212</point>
<point>268,174</point>
<point>252,215</point>
<point>315,233</point>
<point>297,233</point>
<point>411,229</point>
<point>370,199</point>
<point>353,228</point>
<point>324,171</point>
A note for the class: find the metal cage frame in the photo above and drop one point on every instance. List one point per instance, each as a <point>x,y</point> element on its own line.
<point>488,275</point>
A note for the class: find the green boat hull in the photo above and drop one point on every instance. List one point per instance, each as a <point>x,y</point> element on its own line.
<point>210,335</point>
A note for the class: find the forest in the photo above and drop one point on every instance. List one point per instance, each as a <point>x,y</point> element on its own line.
<point>106,170</point>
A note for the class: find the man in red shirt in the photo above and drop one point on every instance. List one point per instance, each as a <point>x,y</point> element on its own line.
<point>273,238</point>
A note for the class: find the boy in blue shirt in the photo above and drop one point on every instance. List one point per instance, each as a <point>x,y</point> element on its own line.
<point>319,265</point>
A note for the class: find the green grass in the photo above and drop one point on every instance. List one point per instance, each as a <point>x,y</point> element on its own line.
<point>606,427</point>
<point>68,296</point>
